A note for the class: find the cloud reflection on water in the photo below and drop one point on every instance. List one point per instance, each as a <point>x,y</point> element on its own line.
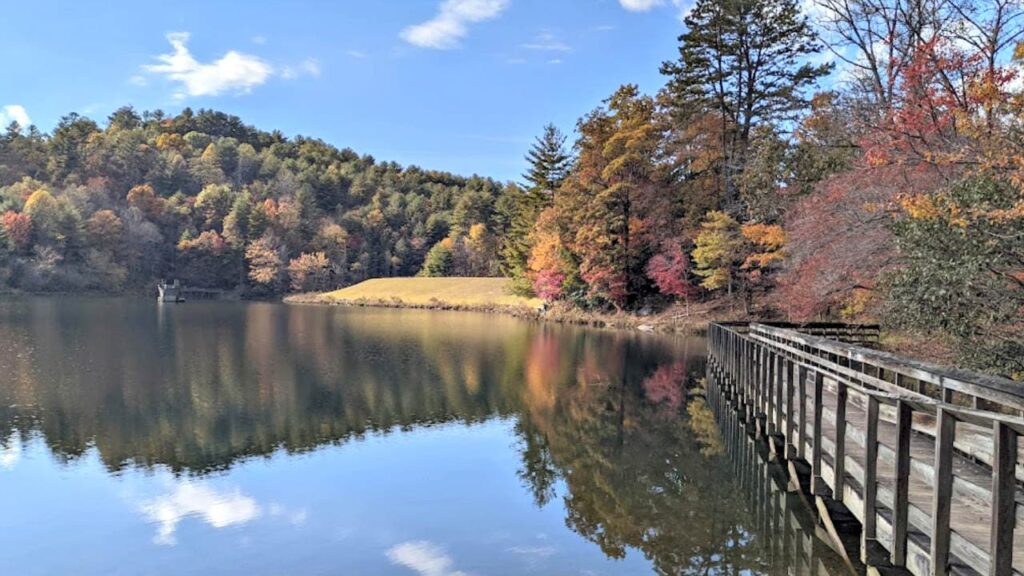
<point>218,508</point>
<point>424,558</point>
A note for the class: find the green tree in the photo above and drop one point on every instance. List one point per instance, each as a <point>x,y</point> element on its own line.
<point>549,166</point>
<point>961,276</point>
<point>746,60</point>
<point>440,260</point>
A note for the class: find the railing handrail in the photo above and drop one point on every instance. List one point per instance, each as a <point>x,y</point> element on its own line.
<point>919,402</point>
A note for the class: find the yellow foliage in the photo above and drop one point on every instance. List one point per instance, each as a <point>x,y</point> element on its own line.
<point>546,253</point>
<point>920,207</point>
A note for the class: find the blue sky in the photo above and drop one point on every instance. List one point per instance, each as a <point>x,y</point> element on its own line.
<point>460,85</point>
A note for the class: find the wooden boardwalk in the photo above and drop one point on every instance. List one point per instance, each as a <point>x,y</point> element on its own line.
<point>926,458</point>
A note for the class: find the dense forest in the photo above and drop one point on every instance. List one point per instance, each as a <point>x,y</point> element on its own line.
<point>863,160</point>
<point>205,198</point>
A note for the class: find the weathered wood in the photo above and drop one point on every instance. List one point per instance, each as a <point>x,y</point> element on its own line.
<point>942,499</point>
<point>839,456</point>
<point>936,490</point>
<point>1003,505</point>
<point>790,414</point>
<point>801,382</point>
<point>817,485</point>
<point>901,504</point>
<point>870,515</point>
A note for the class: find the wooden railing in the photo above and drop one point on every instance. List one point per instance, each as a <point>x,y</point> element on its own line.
<point>926,457</point>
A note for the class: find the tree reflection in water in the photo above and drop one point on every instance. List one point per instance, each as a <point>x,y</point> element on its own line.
<point>610,423</point>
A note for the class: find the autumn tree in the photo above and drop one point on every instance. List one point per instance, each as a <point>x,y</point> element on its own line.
<point>719,251</point>
<point>265,259</point>
<point>309,272</point>
<point>614,198</point>
<point>670,271</point>
<point>549,165</point>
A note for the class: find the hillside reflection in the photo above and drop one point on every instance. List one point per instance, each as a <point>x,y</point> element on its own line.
<point>608,423</point>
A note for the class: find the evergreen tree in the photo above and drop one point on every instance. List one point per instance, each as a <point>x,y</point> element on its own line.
<point>549,166</point>
<point>745,61</point>
<point>549,161</point>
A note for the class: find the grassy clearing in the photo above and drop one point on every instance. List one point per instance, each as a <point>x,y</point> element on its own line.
<point>431,292</point>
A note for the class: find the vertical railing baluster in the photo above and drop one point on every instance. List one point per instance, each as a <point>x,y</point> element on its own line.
<point>869,531</point>
<point>945,434</point>
<point>817,485</point>
<point>790,414</point>
<point>801,383</point>
<point>839,463</point>
<point>901,504</point>
<point>1004,512</point>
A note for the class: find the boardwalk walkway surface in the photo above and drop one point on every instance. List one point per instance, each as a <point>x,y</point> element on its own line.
<point>925,458</point>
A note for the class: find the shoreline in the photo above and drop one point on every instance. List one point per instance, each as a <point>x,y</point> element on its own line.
<point>664,323</point>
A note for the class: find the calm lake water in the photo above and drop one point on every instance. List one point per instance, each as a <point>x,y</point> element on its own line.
<point>234,438</point>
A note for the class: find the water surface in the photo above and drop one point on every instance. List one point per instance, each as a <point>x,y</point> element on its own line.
<point>254,439</point>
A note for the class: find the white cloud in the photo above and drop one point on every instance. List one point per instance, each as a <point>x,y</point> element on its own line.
<point>444,31</point>
<point>308,67</point>
<point>548,42</point>
<point>357,54</point>
<point>219,509</point>
<point>555,61</point>
<point>259,40</point>
<point>138,80</point>
<point>233,72</point>
<point>640,5</point>
<point>424,558</point>
<point>14,113</point>
<point>684,6</point>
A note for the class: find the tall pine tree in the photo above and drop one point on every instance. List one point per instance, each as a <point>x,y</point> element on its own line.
<point>746,63</point>
<point>549,165</point>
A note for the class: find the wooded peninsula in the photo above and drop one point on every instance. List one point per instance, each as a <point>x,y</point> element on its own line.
<point>858,163</point>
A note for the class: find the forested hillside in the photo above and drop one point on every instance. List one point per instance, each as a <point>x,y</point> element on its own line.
<point>205,198</point>
<point>863,161</point>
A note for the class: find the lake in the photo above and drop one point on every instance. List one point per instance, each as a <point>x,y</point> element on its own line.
<point>259,438</point>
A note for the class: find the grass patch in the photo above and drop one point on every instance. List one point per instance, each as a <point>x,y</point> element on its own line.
<point>433,292</point>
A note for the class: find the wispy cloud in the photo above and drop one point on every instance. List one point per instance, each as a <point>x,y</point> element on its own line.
<point>233,72</point>
<point>308,67</point>
<point>14,113</point>
<point>451,24</point>
<point>261,40</point>
<point>640,5</point>
<point>684,6</point>
<point>359,54</point>
<point>547,41</point>
<point>424,558</point>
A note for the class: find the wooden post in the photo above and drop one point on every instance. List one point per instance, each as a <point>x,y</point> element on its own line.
<point>839,463</point>
<point>869,533</point>
<point>945,434</point>
<point>901,505</point>
<point>770,407</point>
<point>817,485</point>
<point>1004,461</point>
<point>780,363</point>
<point>801,383</point>
<point>790,414</point>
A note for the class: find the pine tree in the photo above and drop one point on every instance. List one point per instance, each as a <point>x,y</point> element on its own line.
<point>549,166</point>
<point>549,162</point>
<point>745,61</point>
